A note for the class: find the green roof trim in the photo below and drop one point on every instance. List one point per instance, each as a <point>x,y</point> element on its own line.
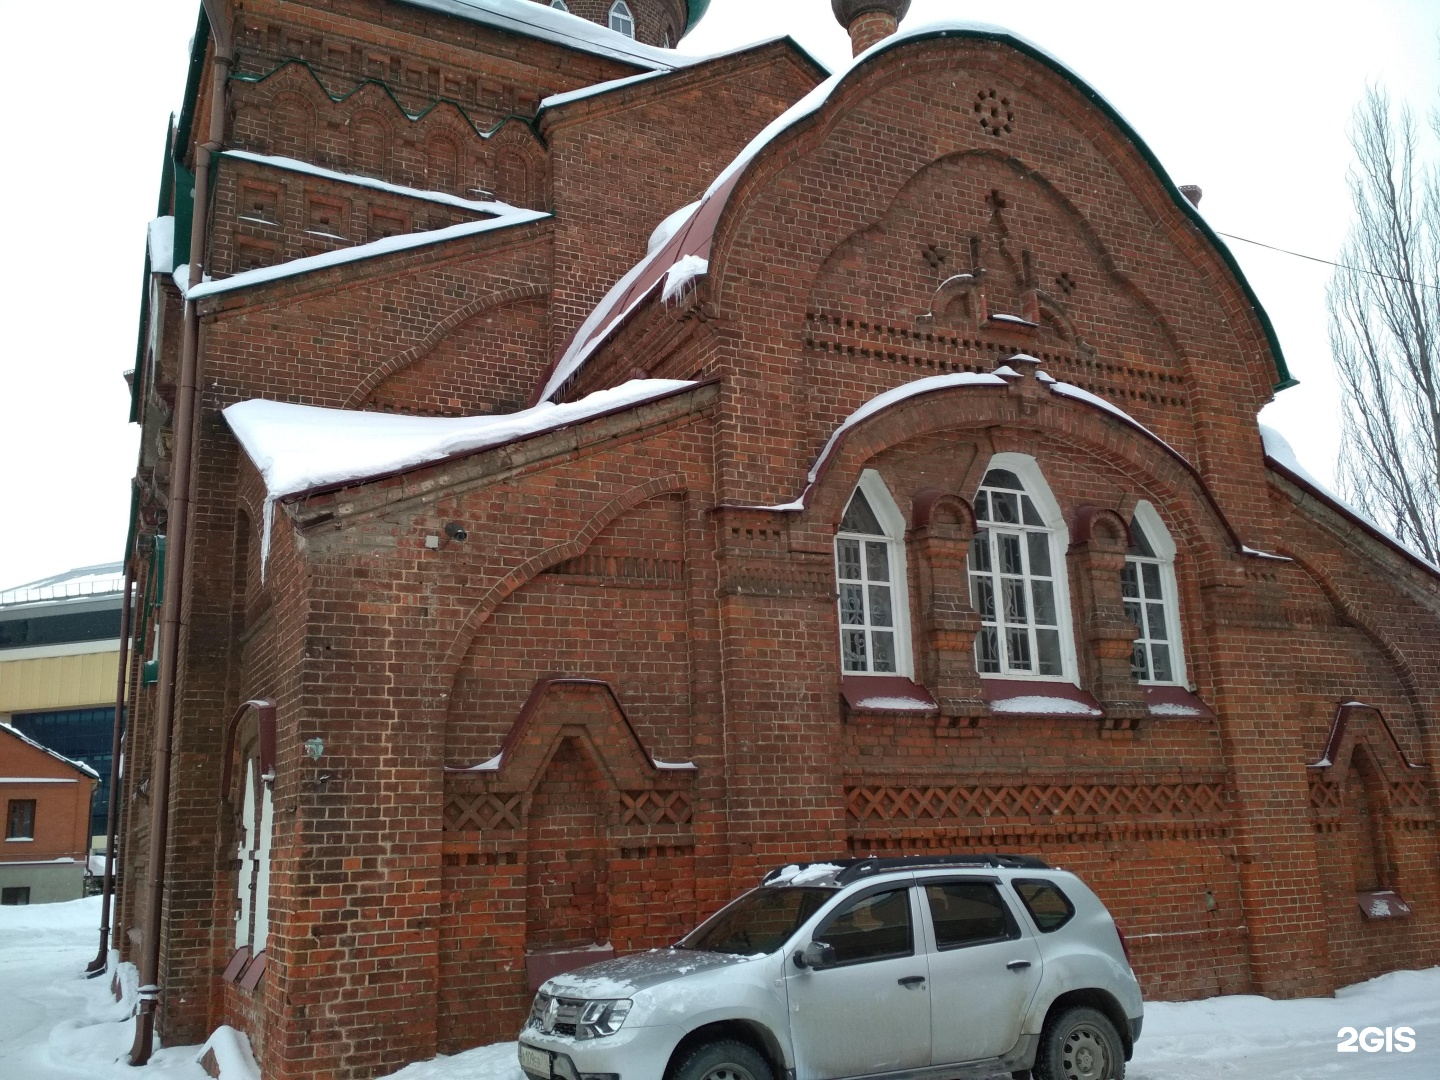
<point>697,12</point>
<point>192,85</point>
<point>1284,380</point>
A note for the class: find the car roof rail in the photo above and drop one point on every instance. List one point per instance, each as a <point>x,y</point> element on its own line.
<point>849,870</point>
<point>855,869</point>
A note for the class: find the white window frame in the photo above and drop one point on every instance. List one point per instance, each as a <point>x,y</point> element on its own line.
<point>1028,470</point>
<point>252,914</point>
<point>892,521</point>
<point>620,13</point>
<point>1163,545</point>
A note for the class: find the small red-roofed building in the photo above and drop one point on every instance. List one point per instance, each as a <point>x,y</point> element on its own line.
<point>45,810</point>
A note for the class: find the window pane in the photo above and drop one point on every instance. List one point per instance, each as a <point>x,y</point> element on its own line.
<point>1044,594</point>
<point>884,645</point>
<point>1048,906</point>
<point>20,820</point>
<point>1003,478</point>
<point>982,596</point>
<point>880,606</point>
<point>1017,644</point>
<point>847,559</point>
<point>1139,661</point>
<point>982,507</point>
<point>966,913</point>
<point>860,518</point>
<point>1155,623</point>
<point>1129,580</point>
<point>1161,654</point>
<point>1047,644</point>
<point>1013,592</point>
<point>980,551</point>
<point>875,928</point>
<point>1132,611</point>
<point>1140,543</point>
<point>1010,553</point>
<point>1005,506</point>
<point>852,605</point>
<point>1032,516</point>
<point>852,647</point>
<point>877,561</point>
<point>987,650</point>
<point>1039,554</point>
<point>1152,580</point>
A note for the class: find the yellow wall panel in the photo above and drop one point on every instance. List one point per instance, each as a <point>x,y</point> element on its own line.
<point>58,682</point>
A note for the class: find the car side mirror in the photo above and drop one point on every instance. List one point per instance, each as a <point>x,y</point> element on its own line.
<point>818,955</point>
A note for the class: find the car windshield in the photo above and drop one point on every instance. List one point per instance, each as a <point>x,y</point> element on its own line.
<point>759,922</point>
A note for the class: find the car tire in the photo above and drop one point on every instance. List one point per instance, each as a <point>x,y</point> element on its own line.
<point>726,1059</point>
<point>1080,1044</point>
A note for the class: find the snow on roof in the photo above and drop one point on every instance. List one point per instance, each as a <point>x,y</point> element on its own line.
<point>678,62</point>
<point>80,765</point>
<point>483,206</point>
<point>879,403</point>
<point>162,244</point>
<point>1279,451</point>
<point>695,233</point>
<point>299,447</point>
<point>553,25</point>
<point>386,246</point>
<point>104,579</point>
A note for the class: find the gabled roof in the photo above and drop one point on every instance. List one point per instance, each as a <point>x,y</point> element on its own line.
<point>695,235</point>
<point>1281,458</point>
<point>78,766</point>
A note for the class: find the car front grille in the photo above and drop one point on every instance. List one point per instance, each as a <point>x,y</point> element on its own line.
<point>567,1014</point>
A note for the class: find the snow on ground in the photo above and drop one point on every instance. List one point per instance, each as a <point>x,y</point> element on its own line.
<point>57,1025</point>
<point>54,1023</point>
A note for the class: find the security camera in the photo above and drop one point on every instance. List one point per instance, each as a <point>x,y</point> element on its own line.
<point>454,530</point>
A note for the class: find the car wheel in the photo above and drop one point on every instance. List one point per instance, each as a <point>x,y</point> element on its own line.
<point>1080,1044</point>
<point>724,1060</point>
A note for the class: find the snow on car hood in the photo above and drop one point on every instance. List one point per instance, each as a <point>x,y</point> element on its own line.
<point>628,975</point>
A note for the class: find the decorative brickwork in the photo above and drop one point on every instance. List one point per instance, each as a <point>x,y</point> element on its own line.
<point>619,700</point>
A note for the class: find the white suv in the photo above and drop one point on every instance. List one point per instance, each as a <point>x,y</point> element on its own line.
<point>937,967</point>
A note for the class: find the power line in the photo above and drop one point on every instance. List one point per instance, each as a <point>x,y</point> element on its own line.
<point>1327,262</point>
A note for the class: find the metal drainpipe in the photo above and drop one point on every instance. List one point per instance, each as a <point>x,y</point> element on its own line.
<point>99,965</point>
<point>177,519</point>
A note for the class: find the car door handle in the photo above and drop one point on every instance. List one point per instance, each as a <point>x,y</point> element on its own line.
<point>912,980</point>
<point>1018,965</point>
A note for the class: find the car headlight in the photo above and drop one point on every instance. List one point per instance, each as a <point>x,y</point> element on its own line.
<point>600,1018</point>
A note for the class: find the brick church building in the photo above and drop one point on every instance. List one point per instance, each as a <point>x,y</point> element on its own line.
<point>577,477</point>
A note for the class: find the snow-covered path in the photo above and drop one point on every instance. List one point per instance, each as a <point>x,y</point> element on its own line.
<point>56,1025</point>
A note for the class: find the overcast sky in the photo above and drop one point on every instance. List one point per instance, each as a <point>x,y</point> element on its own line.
<point>1250,100</point>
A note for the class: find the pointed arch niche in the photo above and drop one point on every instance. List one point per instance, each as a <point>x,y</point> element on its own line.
<point>577,816</point>
<point>1374,837</point>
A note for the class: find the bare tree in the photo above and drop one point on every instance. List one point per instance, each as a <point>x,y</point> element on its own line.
<point>1384,305</point>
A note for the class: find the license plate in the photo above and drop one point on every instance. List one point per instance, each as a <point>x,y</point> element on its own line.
<point>534,1061</point>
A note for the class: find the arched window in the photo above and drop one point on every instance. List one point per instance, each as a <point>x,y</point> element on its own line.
<point>560,4</point>
<point>870,577</point>
<point>621,21</point>
<point>252,915</point>
<point>1017,575</point>
<point>1148,585</point>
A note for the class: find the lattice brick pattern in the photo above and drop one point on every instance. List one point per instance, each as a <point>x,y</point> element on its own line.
<point>655,808</point>
<point>1028,800</point>
<point>1408,795</point>
<point>485,812</point>
<point>1324,795</point>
